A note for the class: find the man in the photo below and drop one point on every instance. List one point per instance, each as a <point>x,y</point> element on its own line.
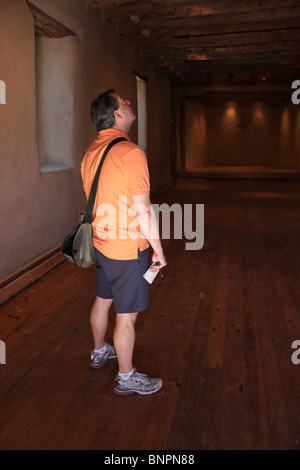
<point>124,225</point>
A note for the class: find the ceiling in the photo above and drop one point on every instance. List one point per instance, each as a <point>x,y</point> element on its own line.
<point>212,42</point>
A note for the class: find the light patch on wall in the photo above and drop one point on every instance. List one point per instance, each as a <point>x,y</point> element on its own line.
<point>231,111</point>
<point>259,114</point>
<point>289,131</point>
<point>297,122</point>
<point>286,132</point>
<point>2,92</point>
<point>195,123</point>
<point>285,122</point>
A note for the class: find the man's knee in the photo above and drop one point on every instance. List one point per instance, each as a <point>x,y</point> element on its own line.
<point>104,302</point>
<point>127,318</point>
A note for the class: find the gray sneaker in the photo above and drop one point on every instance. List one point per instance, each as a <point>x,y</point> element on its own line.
<point>137,383</point>
<point>98,360</point>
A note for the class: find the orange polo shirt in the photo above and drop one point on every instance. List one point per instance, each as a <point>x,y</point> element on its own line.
<point>124,174</point>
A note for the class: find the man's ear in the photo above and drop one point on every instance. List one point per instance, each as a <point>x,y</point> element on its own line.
<point>117,114</point>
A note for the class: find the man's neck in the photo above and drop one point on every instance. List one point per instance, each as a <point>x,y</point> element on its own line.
<point>119,128</point>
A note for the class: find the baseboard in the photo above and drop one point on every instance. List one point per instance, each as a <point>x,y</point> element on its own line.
<point>29,273</point>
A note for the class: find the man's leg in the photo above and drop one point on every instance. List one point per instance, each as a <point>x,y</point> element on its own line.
<point>124,339</point>
<point>99,321</point>
<point>128,380</point>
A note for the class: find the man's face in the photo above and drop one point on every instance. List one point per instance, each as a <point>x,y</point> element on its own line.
<point>125,110</point>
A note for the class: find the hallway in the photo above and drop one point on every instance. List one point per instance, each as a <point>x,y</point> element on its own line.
<point>218,330</point>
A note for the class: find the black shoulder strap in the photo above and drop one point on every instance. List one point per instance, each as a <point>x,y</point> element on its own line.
<point>92,195</point>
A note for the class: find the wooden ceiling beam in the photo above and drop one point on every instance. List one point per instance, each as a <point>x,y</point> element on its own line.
<point>212,24</point>
<point>276,51</point>
<point>180,9</point>
<point>233,68</point>
<point>165,35</point>
<point>284,58</point>
<point>255,95</point>
<point>198,77</point>
<point>186,40</point>
<point>125,13</point>
<point>230,40</point>
<point>285,24</point>
<point>92,5</point>
<point>184,8</point>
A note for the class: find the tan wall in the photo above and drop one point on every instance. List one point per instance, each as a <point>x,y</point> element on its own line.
<point>38,208</point>
<point>289,138</point>
<point>196,151</point>
<point>242,133</point>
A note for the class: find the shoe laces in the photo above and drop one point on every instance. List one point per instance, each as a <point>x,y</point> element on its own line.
<point>138,377</point>
<point>110,348</point>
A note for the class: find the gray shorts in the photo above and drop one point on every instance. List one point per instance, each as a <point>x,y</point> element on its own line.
<point>122,281</point>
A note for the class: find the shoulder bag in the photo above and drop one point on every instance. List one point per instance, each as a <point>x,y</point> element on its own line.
<point>78,246</point>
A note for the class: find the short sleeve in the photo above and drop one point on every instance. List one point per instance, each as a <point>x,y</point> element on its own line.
<point>135,169</point>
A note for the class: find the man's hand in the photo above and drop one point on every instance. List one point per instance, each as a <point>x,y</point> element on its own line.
<point>159,259</point>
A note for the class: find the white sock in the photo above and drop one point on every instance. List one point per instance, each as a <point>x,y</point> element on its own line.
<point>125,377</point>
<point>101,351</point>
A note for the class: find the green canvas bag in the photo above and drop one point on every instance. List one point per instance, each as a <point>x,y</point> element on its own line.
<point>78,246</point>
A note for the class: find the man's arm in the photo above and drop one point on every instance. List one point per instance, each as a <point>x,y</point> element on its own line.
<point>146,218</point>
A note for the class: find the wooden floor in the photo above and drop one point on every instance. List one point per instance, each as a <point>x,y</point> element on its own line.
<point>218,330</point>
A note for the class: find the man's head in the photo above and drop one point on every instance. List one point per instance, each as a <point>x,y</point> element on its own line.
<point>109,110</point>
